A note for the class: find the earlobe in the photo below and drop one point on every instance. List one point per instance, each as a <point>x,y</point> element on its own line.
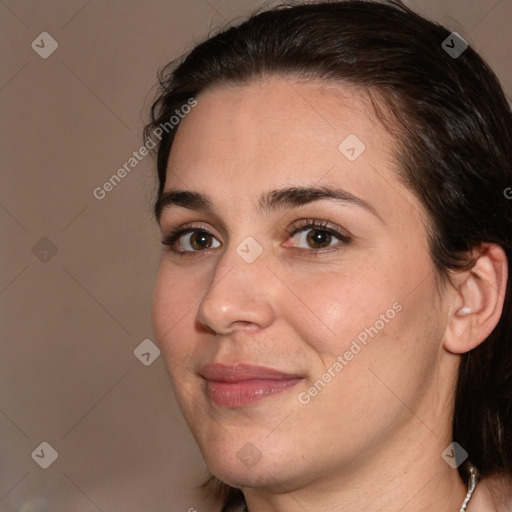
<point>478,300</point>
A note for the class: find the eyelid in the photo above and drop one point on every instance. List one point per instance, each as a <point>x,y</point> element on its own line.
<point>321,225</point>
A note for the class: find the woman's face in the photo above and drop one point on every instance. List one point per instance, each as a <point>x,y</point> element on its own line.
<point>346,308</point>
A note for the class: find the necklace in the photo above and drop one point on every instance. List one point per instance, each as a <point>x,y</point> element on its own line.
<point>473,480</point>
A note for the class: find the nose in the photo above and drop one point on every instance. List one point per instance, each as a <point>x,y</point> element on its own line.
<point>240,295</point>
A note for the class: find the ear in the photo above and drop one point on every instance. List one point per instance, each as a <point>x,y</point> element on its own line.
<point>477,302</point>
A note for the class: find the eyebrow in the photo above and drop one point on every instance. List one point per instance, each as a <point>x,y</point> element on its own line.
<point>284,198</point>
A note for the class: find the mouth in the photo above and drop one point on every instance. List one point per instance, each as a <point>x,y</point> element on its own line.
<point>239,385</point>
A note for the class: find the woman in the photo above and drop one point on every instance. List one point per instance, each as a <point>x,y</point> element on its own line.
<point>332,301</point>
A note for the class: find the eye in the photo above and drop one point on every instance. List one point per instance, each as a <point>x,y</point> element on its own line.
<point>195,239</point>
<point>317,235</point>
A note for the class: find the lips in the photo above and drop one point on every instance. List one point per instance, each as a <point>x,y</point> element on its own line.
<point>239,385</point>
<point>241,372</point>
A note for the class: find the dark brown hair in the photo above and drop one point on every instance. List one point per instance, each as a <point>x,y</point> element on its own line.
<point>453,132</point>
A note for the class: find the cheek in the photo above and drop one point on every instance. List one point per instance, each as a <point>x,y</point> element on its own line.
<point>373,346</point>
<point>331,310</point>
<point>171,308</point>
<point>384,330</point>
<point>370,316</point>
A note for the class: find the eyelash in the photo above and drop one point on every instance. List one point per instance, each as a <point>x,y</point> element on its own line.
<point>302,225</point>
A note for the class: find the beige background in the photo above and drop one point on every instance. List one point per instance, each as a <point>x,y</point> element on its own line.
<point>70,324</point>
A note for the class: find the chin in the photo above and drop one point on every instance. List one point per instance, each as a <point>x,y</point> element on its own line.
<point>250,479</point>
<point>242,464</point>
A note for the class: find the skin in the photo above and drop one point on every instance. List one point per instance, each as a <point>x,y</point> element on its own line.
<point>372,438</point>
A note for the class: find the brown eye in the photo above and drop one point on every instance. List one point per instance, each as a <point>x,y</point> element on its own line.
<point>318,238</point>
<point>200,240</point>
<point>317,235</point>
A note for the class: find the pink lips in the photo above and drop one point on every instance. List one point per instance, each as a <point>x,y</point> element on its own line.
<point>242,384</point>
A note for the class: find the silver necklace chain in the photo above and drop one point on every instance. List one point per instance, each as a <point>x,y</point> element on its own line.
<point>473,481</point>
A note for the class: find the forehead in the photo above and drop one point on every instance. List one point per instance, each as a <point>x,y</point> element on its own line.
<point>268,106</point>
<point>240,141</point>
<point>280,124</point>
